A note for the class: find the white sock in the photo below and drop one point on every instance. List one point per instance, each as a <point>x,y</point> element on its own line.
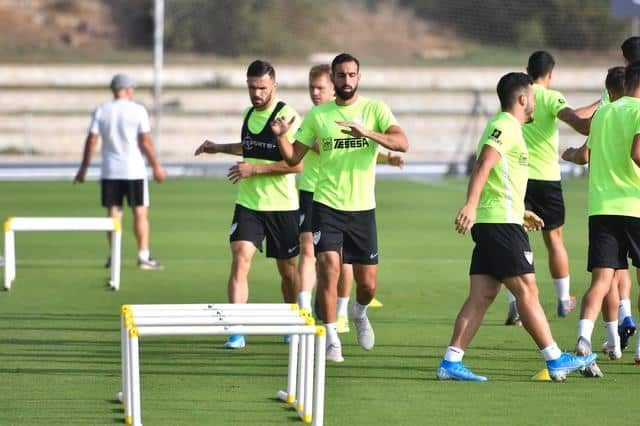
<point>453,354</point>
<point>343,304</point>
<point>304,300</point>
<point>562,288</point>
<point>332,334</point>
<point>551,352</point>
<point>510,297</point>
<point>624,309</point>
<point>585,329</point>
<point>358,310</point>
<point>143,255</point>
<point>613,339</point>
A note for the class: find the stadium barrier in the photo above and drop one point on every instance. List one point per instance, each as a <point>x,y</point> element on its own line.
<point>306,364</point>
<point>14,224</point>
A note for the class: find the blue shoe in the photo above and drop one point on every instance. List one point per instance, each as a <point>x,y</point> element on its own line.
<point>625,330</point>
<point>235,341</point>
<point>560,367</point>
<point>287,339</point>
<point>457,371</point>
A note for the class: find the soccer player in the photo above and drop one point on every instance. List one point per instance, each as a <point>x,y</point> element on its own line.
<point>321,90</point>
<point>494,213</point>
<point>349,131</point>
<point>267,200</point>
<point>126,137</point>
<point>544,189</point>
<point>630,49</point>
<point>613,153</point>
<point>621,280</point>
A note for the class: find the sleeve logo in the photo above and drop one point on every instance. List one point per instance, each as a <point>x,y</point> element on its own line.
<point>495,135</point>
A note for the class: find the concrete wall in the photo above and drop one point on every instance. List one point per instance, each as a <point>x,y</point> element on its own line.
<point>48,108</point>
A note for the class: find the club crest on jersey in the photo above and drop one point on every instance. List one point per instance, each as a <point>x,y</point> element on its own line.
<point>327,144</point>
<point>523,160</point>
<point>316,237</point>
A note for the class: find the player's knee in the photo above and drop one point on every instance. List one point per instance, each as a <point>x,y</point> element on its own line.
<point>328,263</point>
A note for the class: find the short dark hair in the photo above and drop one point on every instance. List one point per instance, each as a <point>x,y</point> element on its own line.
<point>318,70</point>
<point>342,58</point>
<point>615,81</point>
<point>509,86</point>
<point>631,49</point>
<point>540,64</point>
<point>258,68</point>
<point>632,77</point>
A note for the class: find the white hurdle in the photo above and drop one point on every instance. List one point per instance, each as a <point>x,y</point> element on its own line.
<point>14,224</point>
<point>304,391</point>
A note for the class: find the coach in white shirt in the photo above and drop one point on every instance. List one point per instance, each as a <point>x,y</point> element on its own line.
<point>126,135</point>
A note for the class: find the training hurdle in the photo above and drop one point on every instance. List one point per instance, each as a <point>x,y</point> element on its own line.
<point>14,224</point>
<point>306,368</point>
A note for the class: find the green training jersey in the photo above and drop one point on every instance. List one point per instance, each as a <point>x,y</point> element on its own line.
<point>614,179</point>
<point>541,135</point>
<point>264,192</point>
<point>502,198</point>
<point>346,178</point>
<point>310,169</point>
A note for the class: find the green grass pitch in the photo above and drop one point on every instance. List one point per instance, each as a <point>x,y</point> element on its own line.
<point>59,340</point>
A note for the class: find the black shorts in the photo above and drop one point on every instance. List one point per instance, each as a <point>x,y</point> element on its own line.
<point>502,250</point>
<point>280,228</point>
<point>611,240</point>
<point>306,201</point>
<point>113,192</point>
<point>351,233</point>
<point>544,198</point>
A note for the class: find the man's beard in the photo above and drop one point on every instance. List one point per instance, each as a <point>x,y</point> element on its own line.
<point>266,102</point>
<point>345,96</point>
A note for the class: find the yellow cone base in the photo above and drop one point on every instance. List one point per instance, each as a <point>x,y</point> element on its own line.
<point>375,303</point>
<point>542,376</point>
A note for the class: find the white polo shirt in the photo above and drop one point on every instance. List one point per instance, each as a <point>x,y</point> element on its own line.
<point>119,122</point>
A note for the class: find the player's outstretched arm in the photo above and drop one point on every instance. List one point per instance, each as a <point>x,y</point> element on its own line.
<point>577,155</point>
<point>589,110</point>
<point>89,145</point>
<point>466,217</point>
<point>635,150</point>
<point>393,139</point>
<point>390,159</point>
<point>144,140</point>
<point>292,153</point>
<point>580,125</point>
<point>208,147</point>
<point>243,170</point>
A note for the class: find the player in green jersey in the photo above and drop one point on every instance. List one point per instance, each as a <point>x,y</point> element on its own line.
<point>630,49</point>
<point>267,200</point>
<point>349,131</point>
<point>544,190</point>
<point>494,214</point>
<point>321,90</point>
<point>613,153</point>
<point>622,279</point>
